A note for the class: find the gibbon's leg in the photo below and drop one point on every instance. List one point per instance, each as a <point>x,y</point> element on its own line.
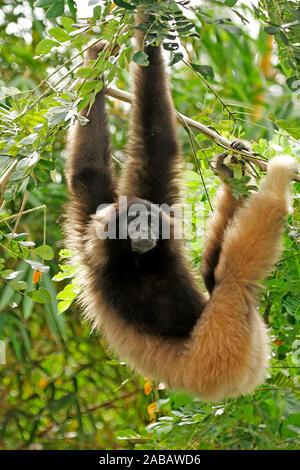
<point>226,206</point>
<point>88,173</point>
<point>154,155</point>
<point>228,349</point>
<point>252,242</point>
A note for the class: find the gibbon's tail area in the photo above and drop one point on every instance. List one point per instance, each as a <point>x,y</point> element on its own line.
<point>148,305</point>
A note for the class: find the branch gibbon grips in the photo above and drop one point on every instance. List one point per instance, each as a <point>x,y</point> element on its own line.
<point>141,292</point>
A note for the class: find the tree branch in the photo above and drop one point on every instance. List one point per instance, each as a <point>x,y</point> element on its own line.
<point>210,133</point>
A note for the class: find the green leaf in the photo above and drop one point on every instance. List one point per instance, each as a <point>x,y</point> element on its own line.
<point>230,28</point>
<point>91,85</point>
<point>237,172</point>
<point>63,305</point>
<point>293,131</point>
<point>272,29</point>
<point>56,9</point>
<point>28,162</point>
<point>18,285</point>
<point>85,72</point>
<point>127,434</point>
<point>61,403</point>
<point>123,4</point>
<point>67,23</point>
<point>180,399</point>
<point>29,139</point>
<point>69,292</point>
<point>44,3</point>
<point>41,295</point>
<point>176,58</point>
<point>230,3</point>
<point>59,34</point>
<point>205,70</point>
<point>72,7</point>
<point>9,274</point>
<point>45,252</point>
<point>45,46</point>
<point>141,58</point>
<point>170,46</point>
<point>293,83</point>
<point>67,272</point>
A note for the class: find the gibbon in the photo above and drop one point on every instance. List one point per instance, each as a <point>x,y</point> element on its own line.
<point>141,292</point>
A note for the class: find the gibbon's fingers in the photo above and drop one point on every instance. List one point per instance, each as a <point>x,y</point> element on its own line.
<point>252,241</point>
<point>240,145</point>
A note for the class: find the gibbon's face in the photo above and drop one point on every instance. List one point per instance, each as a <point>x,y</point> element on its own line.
<point>136,224</point>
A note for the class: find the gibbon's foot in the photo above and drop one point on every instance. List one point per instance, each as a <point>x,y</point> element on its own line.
<point>285,164</point>
<point>280,172</point>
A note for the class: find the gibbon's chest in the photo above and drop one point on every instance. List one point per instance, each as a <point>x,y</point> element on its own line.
<point>157,299</point>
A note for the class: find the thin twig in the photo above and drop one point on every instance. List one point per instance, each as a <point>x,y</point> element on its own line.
<point>24,212</point>
<point>19,215</point>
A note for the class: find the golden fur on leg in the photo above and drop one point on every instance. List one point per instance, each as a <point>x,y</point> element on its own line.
<point>226,206</point>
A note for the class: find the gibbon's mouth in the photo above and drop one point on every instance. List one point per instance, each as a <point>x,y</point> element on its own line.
<point>142,245</point>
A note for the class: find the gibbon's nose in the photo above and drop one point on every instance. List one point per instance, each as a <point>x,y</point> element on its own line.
<point>142,245</point>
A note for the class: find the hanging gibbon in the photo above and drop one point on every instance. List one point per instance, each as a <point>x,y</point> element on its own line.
<point>140,291</point>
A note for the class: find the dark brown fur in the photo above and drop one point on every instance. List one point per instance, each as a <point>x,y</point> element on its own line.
<point>149,306</point>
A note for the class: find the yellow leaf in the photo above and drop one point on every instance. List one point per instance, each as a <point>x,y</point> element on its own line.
<point>148,387</point>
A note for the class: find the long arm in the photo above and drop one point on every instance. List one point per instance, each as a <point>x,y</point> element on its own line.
<point>88,171</point>
<point>154,157</point>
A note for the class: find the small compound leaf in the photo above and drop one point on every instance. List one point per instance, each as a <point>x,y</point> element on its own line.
<point>56,9</point>
<point>19,285</point>
<point>59,34</point>
<point>45,46</point>
<point>45,252</point>
<point>141,58</point>
<point>67,23</point>
<point>176,58</point>
<point>41,295</point>
<point>63,305</point>
<point>230,28</point>
<point>127,434</point>
<point>123,4</point>
<point>272,29</point>
<point>205,70</point>
<point>44,3</point>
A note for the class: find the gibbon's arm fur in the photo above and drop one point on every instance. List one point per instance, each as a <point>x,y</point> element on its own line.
<point>148,304</point>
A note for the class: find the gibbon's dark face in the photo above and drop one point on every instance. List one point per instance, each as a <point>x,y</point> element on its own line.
<point>134,225</point>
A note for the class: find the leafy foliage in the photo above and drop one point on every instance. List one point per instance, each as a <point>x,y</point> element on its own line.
<point>60,388</point>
